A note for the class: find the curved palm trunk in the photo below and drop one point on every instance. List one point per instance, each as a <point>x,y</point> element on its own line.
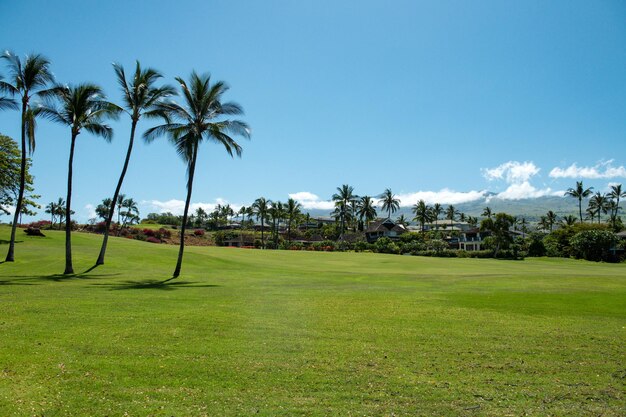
<point>107,226</point>
<point>192,168</point>
<point>20,196</point>
<point>69,269</point>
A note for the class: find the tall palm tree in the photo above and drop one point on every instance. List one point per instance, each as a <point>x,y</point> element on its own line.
<point>30,78</point>
<point>615,194</point>
<point>551,219</point>
<point>342,198</point>
<point>80,107</point>
<point>293,210</point>
<point>261,207</point>
<point>600,203</point>
<point>579,192</point>
<point>276,212</point>
<point>119,202</point>
<point>451,213</point>
<point>140,97</point>
<point>51,209</point>
<point>436,212</point>
<point>203,117</point>
<point>130,213</point>
<point>422,213</point>
<point>366,210</point>
<point>390,203</point>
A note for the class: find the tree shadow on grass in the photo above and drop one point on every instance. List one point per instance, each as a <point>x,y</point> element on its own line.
<point>154,284</point>
<point>25,279</point>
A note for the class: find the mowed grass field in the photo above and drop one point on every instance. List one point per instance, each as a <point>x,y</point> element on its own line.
<point>250,332</point>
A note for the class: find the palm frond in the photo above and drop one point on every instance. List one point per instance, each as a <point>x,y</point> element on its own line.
<point>8,88</point>
<point>7,103</point>
<point>98,129</point>
<point>162,130</point>
<point>29,126</point>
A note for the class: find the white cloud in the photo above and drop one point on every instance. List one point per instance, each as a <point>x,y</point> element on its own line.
<point>90,209</point>
<point>603,169</point>
<point>177,207</point>
<point>444,196</point>
<point>520,191</point>
<point>513,172</point>
<point>310,201</point>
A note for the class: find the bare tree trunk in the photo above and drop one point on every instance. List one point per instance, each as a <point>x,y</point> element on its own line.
<point>20,196</point>
<point>192,168</point>
<point>118,188</point>
<point>69,269</point>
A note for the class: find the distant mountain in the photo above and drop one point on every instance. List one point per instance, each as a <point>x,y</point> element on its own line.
<point>530,208</point>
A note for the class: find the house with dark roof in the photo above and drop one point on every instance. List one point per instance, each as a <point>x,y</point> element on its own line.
<point>383,228</point>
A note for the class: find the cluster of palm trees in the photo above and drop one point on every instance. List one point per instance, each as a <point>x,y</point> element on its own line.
<point>56,210</point>
<point>599,203</point>
<point>127,210</point>
<point>31,89</point>
<point>431,214</point>
<point>275,212</point>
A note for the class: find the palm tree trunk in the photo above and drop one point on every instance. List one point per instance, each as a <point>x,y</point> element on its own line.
<point>69,269</point>
<point>192,168</point>
<point>107,226</point>
<point>580,209</point>
<point>20,196</point>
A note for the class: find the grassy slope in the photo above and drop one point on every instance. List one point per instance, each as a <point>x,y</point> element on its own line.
<point>244,332</point>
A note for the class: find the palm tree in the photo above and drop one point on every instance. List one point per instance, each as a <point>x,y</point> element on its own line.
<point>543,223</point>
<point>60,211</point>
<point>366,210</point>
<point>202,118</point>
<point>390,203</point>
<point>551,218</point>
<point>261,207</point>
<point>343,197</point>
<point>600,203</point>
<point>451,213</point>
<point>51,209</point>
<point>436,212</point>
<point>579,192</point>
<point>402,220</point>
<point>119,202</point>
<point>293,210</point>
<point>615,194</point>
<point>131,212</point>
<point>422,213</point>
<point>276,212</point>
<point>140,97</point>
<point>29,78</point>
<point>81,107</point>
<point>487,212</point>
<point>568,220</point>
<point>473,221</point>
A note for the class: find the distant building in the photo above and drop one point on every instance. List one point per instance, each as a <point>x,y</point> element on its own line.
<point>383,228</point>
<point>447,225</point>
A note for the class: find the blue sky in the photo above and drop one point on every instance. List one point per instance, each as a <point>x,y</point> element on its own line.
<point>441,99</point>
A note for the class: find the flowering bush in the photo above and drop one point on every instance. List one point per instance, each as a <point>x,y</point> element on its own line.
<point>153,239</point>
<point>198,232</point>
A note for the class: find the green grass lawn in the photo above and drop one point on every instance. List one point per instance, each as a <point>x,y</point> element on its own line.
<point>246,332</point>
